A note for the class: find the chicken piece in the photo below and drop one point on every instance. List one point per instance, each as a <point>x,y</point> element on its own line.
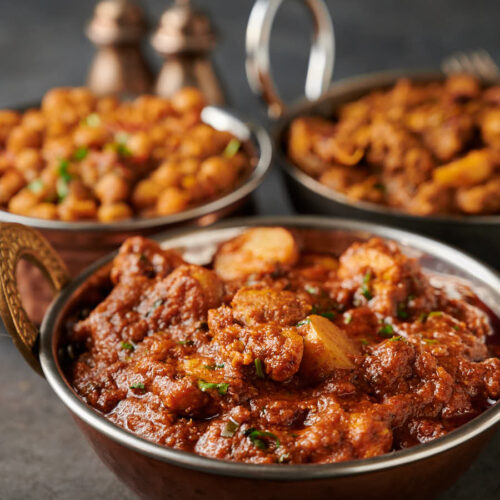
<point>326,348</point>
<point>490,127</point>
<point>140,256</point>
<point>483,199</point>
<point>462,86</point>
<point>474,168</point>
<point>258,250</point>
<point>431,198</point>
<point>254,306</point>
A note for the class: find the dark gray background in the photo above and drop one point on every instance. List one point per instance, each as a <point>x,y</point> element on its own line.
<point>42,455</point>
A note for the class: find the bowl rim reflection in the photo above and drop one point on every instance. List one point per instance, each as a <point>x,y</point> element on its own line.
<point>288,472</point>
<point>219,118</point>
<point>361,85</point>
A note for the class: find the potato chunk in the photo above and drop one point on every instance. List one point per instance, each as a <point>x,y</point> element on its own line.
<point>326,348</point>
<point>258,250</point>
<point>472,169</point>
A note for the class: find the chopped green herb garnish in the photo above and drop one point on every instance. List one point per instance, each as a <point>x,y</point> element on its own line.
<point>313,290</point>
<point>396,338</point>
<point>205,386</point>
<point>80,153</point>
<point>259,369</point>
<point>143,258</point>
<point>364,341</point>
<point>430,341</point>
<point>303,322</point>
<point>232,148</point>
<point>122,150</point>
<point>365,288</point>
<point>214,367</point>
<point>121,137</point>
<point>328,314</point>
<point>92,120</point>
<point>128,346</point>
<point>283,458</point>
<point>62,170</point>
<point>186,342</point>
<point>379,186</point>
<point>435,314</point>
<point>402,313</point>
<point>138,385</point>
<point>347,318</point>
<point>422,318</point>
<point>62,188</point>
<point>386,330</point>
<point>156,305</point>
<point>256,437</point>
<point>455,327</point>
<point>230,429</point>
<point>36,186</point>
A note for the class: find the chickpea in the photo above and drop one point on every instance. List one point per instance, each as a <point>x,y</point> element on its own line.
<point>10,183</point>
<point>34,120</point>
<point>167,174</point>
<point>8,120</point>
<point>112,188</point>
<point>171,201</point>
<point>44,211</point>
<point>23,202</point>
<point>188,99</point>
<point>139,145</point>
<point>189,166</point>
<point>56,148</point>
<point>218,171</point>
<point>146,193</point>
<point>21,138</point>
<point>114,212</point>
<point>83,99</point>
<point>55,98</point>
<point>72,209</point>
<point>85,136</point>
<point>107,104</point>
<point>29,159</point>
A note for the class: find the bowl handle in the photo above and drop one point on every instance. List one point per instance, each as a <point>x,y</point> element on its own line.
<point>321,58</point>
<point>20,242</point>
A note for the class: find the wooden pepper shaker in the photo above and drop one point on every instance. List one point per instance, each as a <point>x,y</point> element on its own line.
<point>185,38</point>
<point>119,67</point>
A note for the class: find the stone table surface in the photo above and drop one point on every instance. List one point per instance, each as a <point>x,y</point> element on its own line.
<point>42,455</point>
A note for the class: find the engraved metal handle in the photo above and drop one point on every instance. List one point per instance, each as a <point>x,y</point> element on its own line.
<point>321,58</point>
<point>20,242</point>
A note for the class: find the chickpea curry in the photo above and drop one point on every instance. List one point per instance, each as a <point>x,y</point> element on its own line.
<point>80,157</point>
<point>274,354</point>
<point>425,149</point>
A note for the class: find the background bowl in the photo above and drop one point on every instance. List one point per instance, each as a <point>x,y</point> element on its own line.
<point>82,243</point>
<point>479,235</point>
<point>154,471</point>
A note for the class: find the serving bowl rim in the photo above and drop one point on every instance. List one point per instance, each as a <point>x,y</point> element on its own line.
<point>97,421</point>
<point>257,135</point>
<point>364,84</point>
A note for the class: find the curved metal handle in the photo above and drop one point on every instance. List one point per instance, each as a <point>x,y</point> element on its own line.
<point>321,58</point>
<point>20,242</point>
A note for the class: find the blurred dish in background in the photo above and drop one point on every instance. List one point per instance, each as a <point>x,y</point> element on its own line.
<point>425,149</point>
<point>80,157</point>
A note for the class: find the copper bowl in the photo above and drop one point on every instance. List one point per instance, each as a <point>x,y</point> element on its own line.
<point>82,243</point>
<point>479,235</point>
<point>155,471</point>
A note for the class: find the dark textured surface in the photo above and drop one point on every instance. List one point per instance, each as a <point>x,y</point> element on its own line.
<point>42,455</point>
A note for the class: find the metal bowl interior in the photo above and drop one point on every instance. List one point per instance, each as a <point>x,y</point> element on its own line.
<point>319,234</point>
<point>259,145</point>
<point>341,93</point>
